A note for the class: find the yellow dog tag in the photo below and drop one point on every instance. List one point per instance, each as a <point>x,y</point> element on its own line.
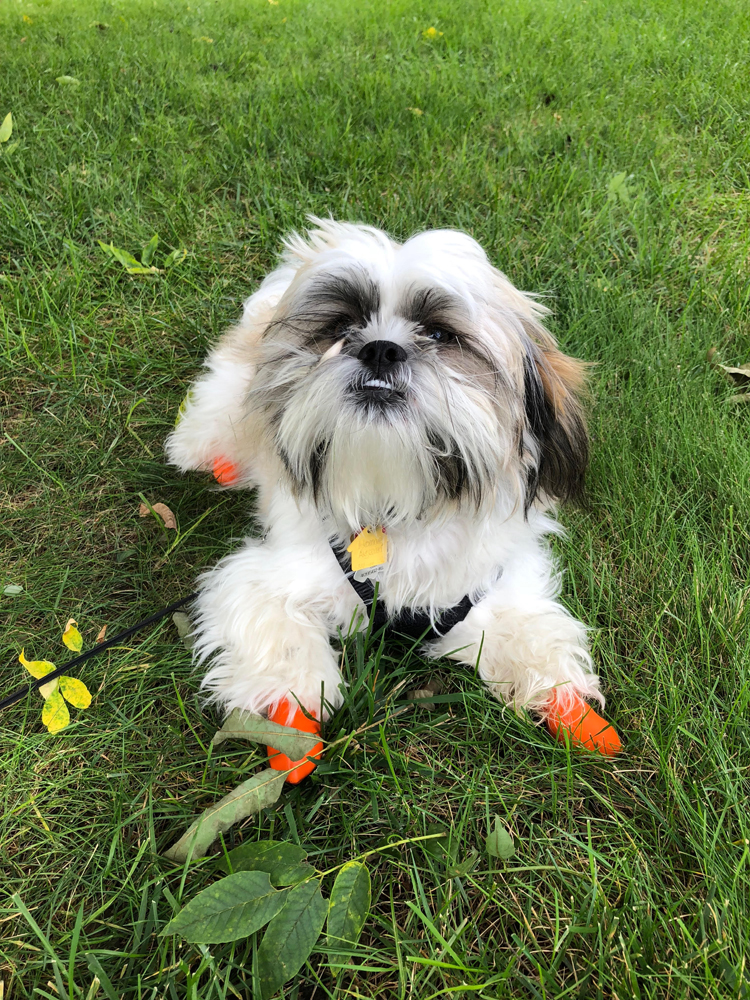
<point>369,549</point>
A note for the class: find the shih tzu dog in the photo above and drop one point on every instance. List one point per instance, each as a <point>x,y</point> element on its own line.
<point>409,425</point>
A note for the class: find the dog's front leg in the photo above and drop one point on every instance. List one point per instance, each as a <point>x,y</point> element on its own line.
<point>266,614</point>
<point>532,653</point>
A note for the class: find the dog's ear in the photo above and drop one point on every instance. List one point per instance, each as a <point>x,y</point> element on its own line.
<point>554,385</point>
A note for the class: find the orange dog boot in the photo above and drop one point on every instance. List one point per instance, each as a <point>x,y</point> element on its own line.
<point>226,473</point>
<point>288,713</point>
<point>570,715</point>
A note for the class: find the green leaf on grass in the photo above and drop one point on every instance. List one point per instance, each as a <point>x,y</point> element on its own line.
<point>128,261</point>
<point>499,842</point>
<point>349,905</point>
<point>233,908</point>
<point>176,257</point>
<point>185,629</point>
<point>125,258</point>
<point>6,129</point>
<point>444,848</point>
<point>243,726</point>
<point>291,937</point>
<point>68,81</point>
<point>13,590</point>
<point>465,866</point>
<point>617,189</point>
<point>284,862</point>
<point>149,250</point>
<point>258,792</point>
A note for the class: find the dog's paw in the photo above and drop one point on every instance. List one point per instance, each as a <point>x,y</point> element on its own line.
<point>226,473</point>
<point>573,718</point>
<point>288,713</point>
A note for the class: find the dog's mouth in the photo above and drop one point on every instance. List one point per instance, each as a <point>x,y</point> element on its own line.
<point>379,392</point>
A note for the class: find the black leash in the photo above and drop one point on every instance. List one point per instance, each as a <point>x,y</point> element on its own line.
<point>414,624</point>
<point>21,692</point>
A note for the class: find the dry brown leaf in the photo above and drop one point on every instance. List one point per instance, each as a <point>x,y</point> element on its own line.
<point>162,510</point>
<point>102,633</point>
<point>742,397</point>
<point>737,376</point>
<point>422,695</point>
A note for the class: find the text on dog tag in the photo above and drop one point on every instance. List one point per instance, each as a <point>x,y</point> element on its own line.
<point>369,548</point>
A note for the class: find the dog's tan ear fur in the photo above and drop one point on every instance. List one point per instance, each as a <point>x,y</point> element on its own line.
<point>554,388</point>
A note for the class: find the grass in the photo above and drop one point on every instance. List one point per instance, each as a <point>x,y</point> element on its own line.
<point>219,126</point>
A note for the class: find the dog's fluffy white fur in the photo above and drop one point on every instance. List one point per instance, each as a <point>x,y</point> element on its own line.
<point>457,431</point>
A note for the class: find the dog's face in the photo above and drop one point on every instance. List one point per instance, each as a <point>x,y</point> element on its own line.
<point>403,381</point>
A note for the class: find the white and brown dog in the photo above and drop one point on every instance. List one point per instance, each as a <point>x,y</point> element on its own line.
<point>406,396</point>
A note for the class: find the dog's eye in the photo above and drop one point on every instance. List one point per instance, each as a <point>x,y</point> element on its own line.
<point>439,335</point>
<point>338,327</point>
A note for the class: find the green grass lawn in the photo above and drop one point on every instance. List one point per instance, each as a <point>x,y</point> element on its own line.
<point>599,151</point>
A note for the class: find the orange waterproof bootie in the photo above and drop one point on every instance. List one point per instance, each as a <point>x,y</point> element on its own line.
<point>226,473</point>
<point>290,714</point>
<point>578,720</point>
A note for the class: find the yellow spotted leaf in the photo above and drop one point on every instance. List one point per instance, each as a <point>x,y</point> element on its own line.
<point>48,689</point>
<point>72,637</point>
<point>75,692</point>
<point>37,668</point>
<point>55,714</point>
<point>187,401</point>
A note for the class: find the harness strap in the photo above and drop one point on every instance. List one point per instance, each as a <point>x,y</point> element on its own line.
<point>414,624</point>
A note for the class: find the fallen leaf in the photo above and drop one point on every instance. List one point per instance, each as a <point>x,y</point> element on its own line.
<point>184,629</point>
<point>285,863</point>
<point>499,842</point>
<point>55,714</point>
<point>617,188</point>
<point>737,376</point>
<point>290,937</point>
<point>258,792</point>
<point>349,905</point>
<point>149,250</point>
<point>13,590</point>
<point>47,690</point>
<point>75,691</point>
<point>68,81</point>
<point>742,397</point>
<point>422,695</point>
<point>711,355</point>
<point>230,909</point>
<point>176,257</point>
<point>465,866</point>
<point>244,726</point>
<point>37,668</point>
<point>6,129</point>
<point>102,633</point>
<point>416,111</point>
<point>72,637</point>
<point>162,510</point>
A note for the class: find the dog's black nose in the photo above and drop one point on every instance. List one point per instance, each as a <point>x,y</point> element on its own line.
<point>381,355</point>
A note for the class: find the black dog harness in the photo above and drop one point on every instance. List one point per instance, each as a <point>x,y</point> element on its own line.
<point>414,624</point>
